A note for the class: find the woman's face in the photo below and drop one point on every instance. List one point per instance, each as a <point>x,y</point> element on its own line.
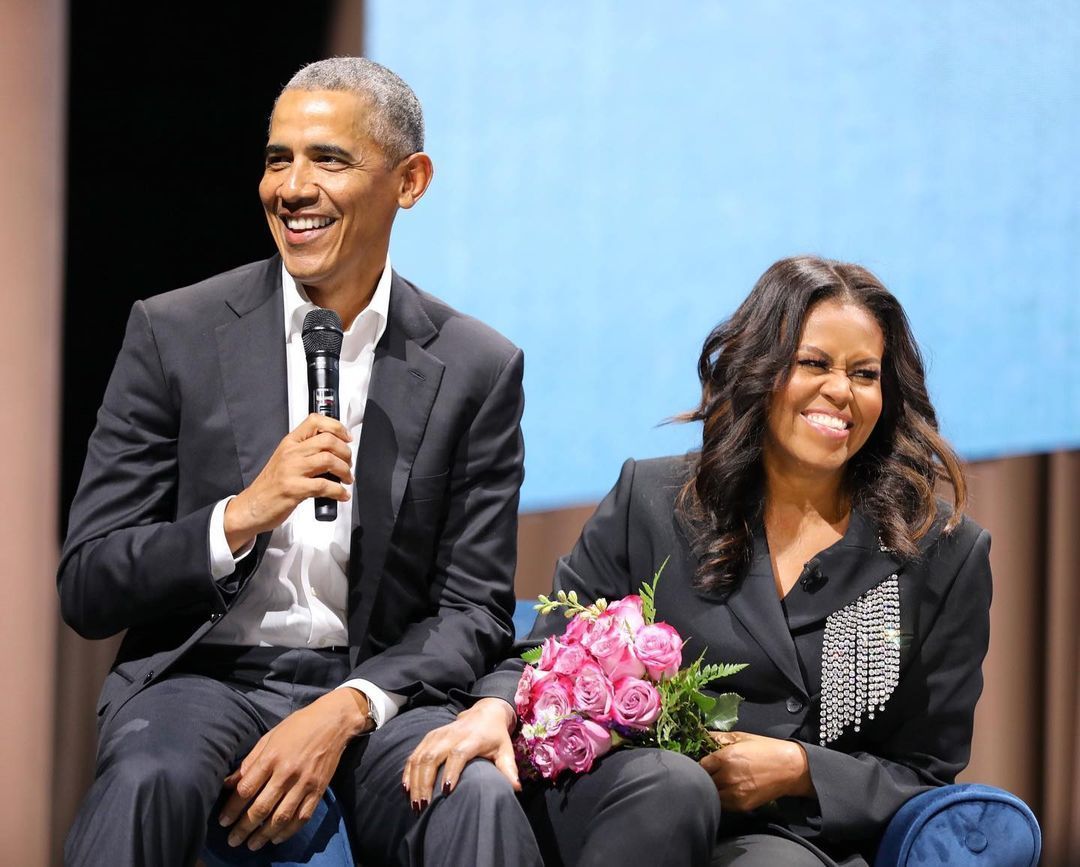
<point>824,413</point>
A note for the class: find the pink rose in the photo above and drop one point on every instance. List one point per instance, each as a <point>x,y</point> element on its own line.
<point>580,742</point>
<point>628,610</point>
<point>659,647</point>
<point>593,692</point>
<point>576,630</point>
<point>551,701</point>
<point>562,658</point>
<point>546,759</point>
<point>612,643</point>
<point>523,694</point>
<point>637,703</point>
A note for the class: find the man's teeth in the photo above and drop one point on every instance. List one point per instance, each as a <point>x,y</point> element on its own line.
<point>301,224</point>
<point>827,420</point>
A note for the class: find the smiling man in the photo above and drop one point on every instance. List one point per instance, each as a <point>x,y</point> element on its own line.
<point>267,652</point>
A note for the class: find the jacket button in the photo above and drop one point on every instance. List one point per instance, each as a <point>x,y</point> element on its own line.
<point>149,677</point>
<point>794,705</point>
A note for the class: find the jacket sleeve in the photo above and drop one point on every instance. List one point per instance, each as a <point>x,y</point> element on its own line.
<point>598,566</point>
<point>857,793</point>
<point>128,558</point>
<point>472,595</point>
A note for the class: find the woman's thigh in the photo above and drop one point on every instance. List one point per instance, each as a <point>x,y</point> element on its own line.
<point>762,850</point>
<point>635,806</point>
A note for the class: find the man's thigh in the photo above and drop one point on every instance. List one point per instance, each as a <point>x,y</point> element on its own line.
<point>368,783</point>
<point>184,726</point>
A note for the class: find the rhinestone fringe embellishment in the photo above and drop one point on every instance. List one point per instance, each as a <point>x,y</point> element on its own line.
<point>860,659</point>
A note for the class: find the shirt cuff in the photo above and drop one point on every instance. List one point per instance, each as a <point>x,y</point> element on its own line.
<point>383,705</point>
<point>222,560</point>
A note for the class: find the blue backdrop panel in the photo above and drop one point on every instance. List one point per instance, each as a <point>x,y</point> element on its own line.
<point>611,178</point>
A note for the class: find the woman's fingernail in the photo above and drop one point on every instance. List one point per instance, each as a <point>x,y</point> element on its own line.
<point>446,787</point>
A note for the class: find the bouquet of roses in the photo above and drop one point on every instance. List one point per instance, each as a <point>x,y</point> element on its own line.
<point>614,678</point>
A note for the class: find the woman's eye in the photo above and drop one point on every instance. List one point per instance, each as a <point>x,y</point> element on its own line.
<point>815,363</point>
<point>867,375</point>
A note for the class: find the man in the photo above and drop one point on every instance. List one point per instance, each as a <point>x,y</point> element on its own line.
<point>254,632</point>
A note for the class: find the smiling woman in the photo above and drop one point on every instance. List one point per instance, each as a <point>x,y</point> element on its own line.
<point>803,539</point>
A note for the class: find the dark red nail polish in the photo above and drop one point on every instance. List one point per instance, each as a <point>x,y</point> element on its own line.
<point>446,787</point>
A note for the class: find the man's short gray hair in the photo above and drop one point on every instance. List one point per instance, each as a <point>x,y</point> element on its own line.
<point>397,121</point>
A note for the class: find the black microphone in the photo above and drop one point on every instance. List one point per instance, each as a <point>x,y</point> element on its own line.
<point>812,580</point>
<point>322,336</point>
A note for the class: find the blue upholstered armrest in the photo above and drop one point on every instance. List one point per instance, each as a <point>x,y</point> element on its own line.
<point>322,842</point>
<point>962,825</point>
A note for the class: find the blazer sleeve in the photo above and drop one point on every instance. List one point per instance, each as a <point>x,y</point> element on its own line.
<point>598,566</point>
<point>857,792</point>
<point>128,558</point>
<point>472,582</point>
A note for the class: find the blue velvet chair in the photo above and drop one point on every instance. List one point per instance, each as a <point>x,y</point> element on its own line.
<point>966,825</point>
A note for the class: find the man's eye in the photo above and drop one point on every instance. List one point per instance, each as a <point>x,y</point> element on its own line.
<point>276,162</point>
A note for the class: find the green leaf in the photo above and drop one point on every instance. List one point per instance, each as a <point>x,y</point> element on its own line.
<point>533,654</point>
<point>725,712</point>
<point>648,594</point>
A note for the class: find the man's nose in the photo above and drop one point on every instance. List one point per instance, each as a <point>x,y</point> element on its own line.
<point>296,186</point>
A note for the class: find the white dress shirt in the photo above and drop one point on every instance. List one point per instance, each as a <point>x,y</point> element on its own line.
<point>298,595</point>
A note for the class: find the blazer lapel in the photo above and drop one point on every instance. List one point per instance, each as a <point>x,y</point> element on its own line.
<point>252,353</point>
<point>848,569</point>
<point>405,378</point>
<point>757,606</point>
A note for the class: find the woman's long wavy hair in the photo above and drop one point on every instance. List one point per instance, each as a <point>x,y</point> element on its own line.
<point>747,358</point>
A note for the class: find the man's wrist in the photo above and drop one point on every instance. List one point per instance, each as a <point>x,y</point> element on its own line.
<point>360,718</point>
<point>237,535</point>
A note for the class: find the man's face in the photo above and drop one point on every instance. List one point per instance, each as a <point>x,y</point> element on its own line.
<point>330,197</point>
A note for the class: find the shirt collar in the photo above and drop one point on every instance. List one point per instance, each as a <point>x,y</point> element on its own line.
<point>298,305</point>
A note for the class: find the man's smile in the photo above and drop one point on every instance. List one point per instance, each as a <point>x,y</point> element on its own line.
<point>303,228</point>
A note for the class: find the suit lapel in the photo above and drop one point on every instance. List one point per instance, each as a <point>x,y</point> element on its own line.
<point>405,378</point>
<point>757,606</point>
<point>252,353</point>
<point>848,569</point>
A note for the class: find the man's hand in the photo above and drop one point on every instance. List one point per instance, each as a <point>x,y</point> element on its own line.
<point>482,731</point>
<point>751,770</point>
<point>284,776</point>
<point>318,445</point>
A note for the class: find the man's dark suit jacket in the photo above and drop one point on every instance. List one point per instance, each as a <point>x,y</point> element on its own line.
<point>197,403</point>
<point>921,739</point>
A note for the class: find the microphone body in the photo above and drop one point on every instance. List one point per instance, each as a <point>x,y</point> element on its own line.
<point>322,336</point>
<point>812,579</point>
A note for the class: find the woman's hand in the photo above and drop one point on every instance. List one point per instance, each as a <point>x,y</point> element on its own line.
<point>482,731</point>
<point>751,770</point>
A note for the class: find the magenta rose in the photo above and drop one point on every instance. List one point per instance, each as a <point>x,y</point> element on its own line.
<point>593,692</point>
<point>561,658</point>
<point>628,610</point>
<point>637,703</point>
<point>523,694</point>
<point>546,758</point>
<point>551,701</point>
<point>612,643</point>
<point>580,742</point>
<point>659,647</point>
<point>576,630</point>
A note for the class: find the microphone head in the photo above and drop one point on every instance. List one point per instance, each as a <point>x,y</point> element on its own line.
<point>322,333</point>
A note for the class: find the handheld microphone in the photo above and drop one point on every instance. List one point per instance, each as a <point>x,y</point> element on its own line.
<point>322,335</point>
<point>812,579</point>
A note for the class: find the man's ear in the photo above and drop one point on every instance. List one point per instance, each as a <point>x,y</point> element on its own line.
<point>415,173</point>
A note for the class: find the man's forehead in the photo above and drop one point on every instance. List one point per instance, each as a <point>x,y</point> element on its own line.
<point>335,112</point>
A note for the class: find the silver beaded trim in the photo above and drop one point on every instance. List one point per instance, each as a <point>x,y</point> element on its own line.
<point>860,659</point>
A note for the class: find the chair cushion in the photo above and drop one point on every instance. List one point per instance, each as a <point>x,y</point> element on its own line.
<point>961,825</point>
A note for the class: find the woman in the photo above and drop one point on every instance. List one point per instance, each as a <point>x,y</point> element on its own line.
<point>805,540</point>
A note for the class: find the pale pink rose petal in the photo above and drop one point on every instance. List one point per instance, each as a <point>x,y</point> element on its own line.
<point>637,703</point>
<point>659,647</point>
